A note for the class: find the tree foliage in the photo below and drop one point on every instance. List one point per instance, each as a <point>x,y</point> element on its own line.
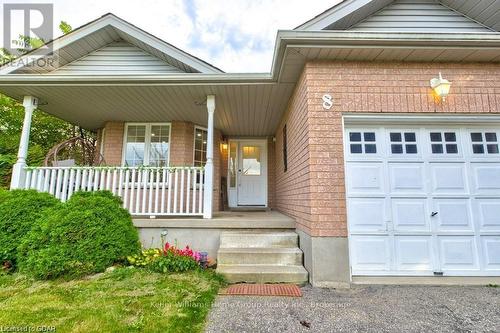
<point>46,131</point>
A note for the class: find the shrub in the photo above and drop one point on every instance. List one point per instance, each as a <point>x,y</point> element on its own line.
<point>19,212</point>
<point>87,234</point>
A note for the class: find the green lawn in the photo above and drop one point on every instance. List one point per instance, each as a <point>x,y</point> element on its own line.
<point>125,300</point>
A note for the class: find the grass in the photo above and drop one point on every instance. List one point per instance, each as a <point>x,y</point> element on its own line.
<point>124,300</point>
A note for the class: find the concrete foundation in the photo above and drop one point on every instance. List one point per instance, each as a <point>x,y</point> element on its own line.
<point>326,259</point>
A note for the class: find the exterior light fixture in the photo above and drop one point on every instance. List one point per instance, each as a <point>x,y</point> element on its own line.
<point>441,87</point>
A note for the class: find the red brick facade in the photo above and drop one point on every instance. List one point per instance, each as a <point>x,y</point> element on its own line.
<point>312,190</point>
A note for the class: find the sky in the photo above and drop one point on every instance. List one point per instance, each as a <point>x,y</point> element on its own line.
<point>234,35</point>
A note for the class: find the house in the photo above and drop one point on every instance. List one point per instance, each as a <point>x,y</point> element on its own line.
<point>383,175</point>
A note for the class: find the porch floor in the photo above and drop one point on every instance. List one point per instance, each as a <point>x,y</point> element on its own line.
<point>222,220</point>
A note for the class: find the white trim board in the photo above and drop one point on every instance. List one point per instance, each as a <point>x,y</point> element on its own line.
<point>395,118</point>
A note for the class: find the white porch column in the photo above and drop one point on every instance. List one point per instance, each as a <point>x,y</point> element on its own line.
<point>18,173</point>
<point>209,167</point>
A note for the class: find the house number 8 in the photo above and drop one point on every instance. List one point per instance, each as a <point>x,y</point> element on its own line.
<point>327,101</point>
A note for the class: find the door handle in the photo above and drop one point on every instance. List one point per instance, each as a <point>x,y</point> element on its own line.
<point>434,214</point>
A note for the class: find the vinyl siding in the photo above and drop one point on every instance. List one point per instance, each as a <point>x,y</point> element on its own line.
<point>118,58</point>
<point>418,16</point>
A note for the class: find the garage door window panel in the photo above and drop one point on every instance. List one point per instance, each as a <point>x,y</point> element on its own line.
<point>403,143</point>
<point>444,143</point>
<point>484,143</point>
<point>361,142</point>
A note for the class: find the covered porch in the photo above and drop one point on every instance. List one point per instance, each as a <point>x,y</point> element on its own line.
<point>231,114</point>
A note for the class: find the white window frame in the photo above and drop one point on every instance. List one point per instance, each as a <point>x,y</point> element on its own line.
<point>194,139</point>
<point>147,140</point>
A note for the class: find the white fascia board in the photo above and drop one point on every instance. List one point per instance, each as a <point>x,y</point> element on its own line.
<point>111,20</point>
<point>312,37</point>
<point>135,80</point>
<point>333,15</point>
<point>399,118</point>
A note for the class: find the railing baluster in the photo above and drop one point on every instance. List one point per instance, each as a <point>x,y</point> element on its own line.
<point>126,203</point>
<point>90,177</point>
<point>138,195</point>
<point>113,184</point>
<point>145,191</point>
<point>157,190</point>
<point>120,182</point>
<point>176,189</point>
<point>169,196</point>
<point>97,179</point>
<point>188,190</point>
<point>27,180</point>
<point>132,190</point>
<point>39,180</point>
<point>64,190</point>
<point>150,196</point>
<point>71,184</point>
<point>201,190</point>
<point>181,205</point>
<point>46,181</point>
<point>108,180</point>
<point>163,182</point>
<point>58,184</point>
<point>78,180</point>
<point>195,173</point>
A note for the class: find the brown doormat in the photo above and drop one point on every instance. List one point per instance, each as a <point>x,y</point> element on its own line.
<point>244,289</point>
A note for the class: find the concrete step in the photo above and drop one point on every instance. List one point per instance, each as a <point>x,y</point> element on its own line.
<point>264,273</point>
<point>260,256</point>
<point>241,239</point>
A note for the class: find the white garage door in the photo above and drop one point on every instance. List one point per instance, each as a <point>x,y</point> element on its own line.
<point>423,201</point>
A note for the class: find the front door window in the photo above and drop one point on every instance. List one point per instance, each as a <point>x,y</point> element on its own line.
<point>251,161</point>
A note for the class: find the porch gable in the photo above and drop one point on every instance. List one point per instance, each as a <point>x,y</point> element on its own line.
<point>405,15</point>
<point>99,35</point>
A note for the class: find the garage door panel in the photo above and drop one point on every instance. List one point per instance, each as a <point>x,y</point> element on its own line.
<point>458,253</point>
<point>448,178</point>
<point>370,253</point>
<point>488,214</point>
<point>407,178</point>
<point>414,253</point>
<point>453,215</point>
<point>486,178</point>
<point>491,250</point>
<point>410,215</point>
<point>367,215</point>
<point>365,178</point>
<point>427,201</point>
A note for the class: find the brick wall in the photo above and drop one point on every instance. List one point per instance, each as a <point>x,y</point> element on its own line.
<point>113,143</point>
<point>292,194</point>
<point>271,173</point>
<point>315,135</point>
<point>182,143</point>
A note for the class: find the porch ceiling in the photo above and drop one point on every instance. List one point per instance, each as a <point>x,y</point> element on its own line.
<point>241,109</point>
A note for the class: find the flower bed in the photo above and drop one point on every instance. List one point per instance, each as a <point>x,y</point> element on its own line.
<point>168,259</point>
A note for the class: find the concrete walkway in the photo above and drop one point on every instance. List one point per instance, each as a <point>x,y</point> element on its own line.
<point>363,309</point>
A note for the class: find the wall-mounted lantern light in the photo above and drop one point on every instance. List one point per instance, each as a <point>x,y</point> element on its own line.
<point>441,87</point>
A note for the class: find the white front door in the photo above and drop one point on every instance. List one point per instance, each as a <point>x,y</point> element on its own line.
<point>423,200</point>
<point>252,173</point>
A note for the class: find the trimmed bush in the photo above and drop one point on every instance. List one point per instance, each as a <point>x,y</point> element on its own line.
<point>20,210</point>
<point>85,235</point>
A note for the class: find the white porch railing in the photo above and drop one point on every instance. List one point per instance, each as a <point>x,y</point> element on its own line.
<point>146,191</point>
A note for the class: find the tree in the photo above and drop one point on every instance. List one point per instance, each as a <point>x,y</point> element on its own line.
<point>46,130</point>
